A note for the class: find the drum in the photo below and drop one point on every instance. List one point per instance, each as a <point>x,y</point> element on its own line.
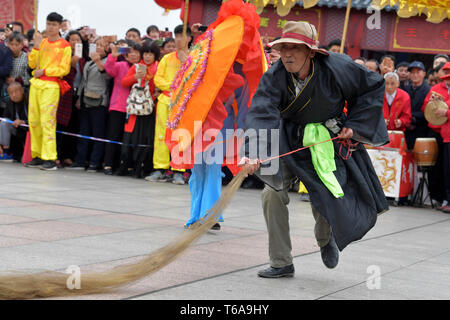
<point>397,139</point>
<point>426,152</point>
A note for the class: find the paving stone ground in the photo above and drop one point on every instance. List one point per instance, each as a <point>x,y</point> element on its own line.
<point>52,220</point>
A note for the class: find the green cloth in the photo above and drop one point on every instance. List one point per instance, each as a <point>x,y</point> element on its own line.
<point>323,156</point>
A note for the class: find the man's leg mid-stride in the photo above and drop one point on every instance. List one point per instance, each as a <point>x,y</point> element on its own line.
<point>276,214</point>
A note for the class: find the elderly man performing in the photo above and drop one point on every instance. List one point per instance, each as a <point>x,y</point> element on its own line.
<point>304,95</point>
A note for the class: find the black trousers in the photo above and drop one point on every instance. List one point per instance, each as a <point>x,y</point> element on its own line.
<point>92,123</point>
<point>116,124</point>
<point>446,157</point>
<point>436,175</point>
<point>67,145</point>
<point>17,144</point>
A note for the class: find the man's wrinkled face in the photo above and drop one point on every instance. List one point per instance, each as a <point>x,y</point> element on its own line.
<point>16,47</point>
<point>403,73</point>
<point>169,47</point>
<point>417,76</point>
<point>133,36</point>
<point>387,65</point>
<point>65,26</point>
<point>438,61</point>
<point>372,66</point>
<point>391,85</point>
<point>295,56</point>
<point>15,93</point>
<point>335,49</point>
<point>446,73</point>
<point>432,80</point>
<point>274,56</point>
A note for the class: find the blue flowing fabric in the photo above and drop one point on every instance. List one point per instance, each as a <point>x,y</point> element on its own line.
<point>205,183</point>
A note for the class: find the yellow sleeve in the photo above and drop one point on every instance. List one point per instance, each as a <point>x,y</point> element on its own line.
<point>63,68</point>
<point>160,81</point>
<point>33,58</point>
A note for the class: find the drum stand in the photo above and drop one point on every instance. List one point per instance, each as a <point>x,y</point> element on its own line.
<point>424,182</point>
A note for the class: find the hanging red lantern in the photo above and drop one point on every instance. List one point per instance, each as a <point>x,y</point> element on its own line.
<point>169,4</point>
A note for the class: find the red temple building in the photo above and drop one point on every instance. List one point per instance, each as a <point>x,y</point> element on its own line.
<point>369,34</point>
<point>17,10</point>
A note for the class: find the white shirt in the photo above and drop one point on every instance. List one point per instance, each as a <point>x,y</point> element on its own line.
<point>390,98</point>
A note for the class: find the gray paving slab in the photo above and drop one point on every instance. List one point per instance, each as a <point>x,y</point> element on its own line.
<point>49,221</point>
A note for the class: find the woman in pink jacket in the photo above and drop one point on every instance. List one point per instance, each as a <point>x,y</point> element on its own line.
<point>118,105</point>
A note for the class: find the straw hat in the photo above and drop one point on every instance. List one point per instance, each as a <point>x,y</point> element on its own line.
<point>430,112</point>
<point>299,33</point>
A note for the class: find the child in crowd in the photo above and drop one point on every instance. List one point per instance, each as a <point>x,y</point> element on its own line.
<point>140,129</point>
<point>168,46</point>
<point>94,96</point>
<point>153,33</point>
<point>118,105</point>
<point>12,136</point>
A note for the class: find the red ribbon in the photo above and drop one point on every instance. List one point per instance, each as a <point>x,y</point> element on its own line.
<point>300,37</point>
<point>63,85</point>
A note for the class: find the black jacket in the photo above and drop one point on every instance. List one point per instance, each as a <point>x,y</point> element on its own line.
<point>6,63</point>
<point>12,110</point>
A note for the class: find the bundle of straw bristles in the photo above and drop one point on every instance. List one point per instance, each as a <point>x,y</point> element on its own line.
<point>51,284</point>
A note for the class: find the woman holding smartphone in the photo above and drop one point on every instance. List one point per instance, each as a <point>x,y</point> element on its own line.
<point>140,129</point>
<point>118,105</point>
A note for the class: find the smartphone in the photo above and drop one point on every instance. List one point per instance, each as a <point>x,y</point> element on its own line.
<point>79,50</point>
<point>124,50</point>
<point>140,67</point>
<point>92,48</point>
<point>110,39</point>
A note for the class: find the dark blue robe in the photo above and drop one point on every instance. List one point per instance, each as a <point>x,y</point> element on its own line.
<point>335,80</point>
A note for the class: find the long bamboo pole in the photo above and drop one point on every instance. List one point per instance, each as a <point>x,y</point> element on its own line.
<point>347,18</point>
<point>36,15</point>
<point>186,19</point>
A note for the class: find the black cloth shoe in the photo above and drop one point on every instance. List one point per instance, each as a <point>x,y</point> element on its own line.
<point>330,254</point>
<point>216,227</point>
<point>276,273</point>
<point>108,171</point>
<point>92,168</point>
<point>76,166</point>
<point>35,163</point>
<point>49,166</point>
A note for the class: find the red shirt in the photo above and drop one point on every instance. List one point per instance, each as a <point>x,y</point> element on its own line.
<point>128,81</point>
<point>442,89</point>
<point>400,110</point>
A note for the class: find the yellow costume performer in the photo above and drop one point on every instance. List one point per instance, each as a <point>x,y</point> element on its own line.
<point>167,70</point>
<point>55,59</point>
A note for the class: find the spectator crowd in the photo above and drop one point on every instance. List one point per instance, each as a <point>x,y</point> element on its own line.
<point>103,101</point>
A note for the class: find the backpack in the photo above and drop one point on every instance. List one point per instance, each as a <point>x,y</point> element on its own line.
<point>140,101</point>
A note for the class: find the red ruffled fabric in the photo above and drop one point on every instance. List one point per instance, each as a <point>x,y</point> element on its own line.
<point>251,57</point>
<point>250,53</point>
